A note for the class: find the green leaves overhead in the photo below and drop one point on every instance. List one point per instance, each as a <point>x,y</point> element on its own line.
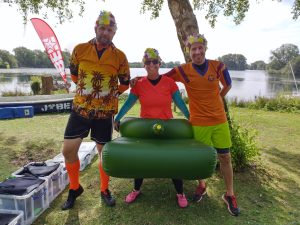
<point>213,8</point>
<point>235,8</point>
<point>296,9</point>
<point>152,5</point>
<point>62,8</point>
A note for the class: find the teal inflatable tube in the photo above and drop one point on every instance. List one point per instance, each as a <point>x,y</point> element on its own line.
<point>158,158</point>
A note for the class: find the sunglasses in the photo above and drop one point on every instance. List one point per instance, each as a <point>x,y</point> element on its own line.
<point>154,62</point>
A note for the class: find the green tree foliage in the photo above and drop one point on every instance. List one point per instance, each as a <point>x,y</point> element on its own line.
<point>36,58</point>
<point>296,66</point>
<point>234,61</point>
<point>3,64</point>
<point>66,56</point>
<point>244,148</point>
<point>292,67</point>
<point>163,64</point>
<point>7,60</point>
<point>136,65</point>
<point>62,8</point>
<point>170,64</point>
<point>281,56</point>
<point>41,60</point>
<point>25,57</point>
<point>237,9</point>
<point>258,65</point>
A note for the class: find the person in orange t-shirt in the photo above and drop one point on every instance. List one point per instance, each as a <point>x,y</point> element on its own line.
<point>202,78</point>
<point>100,72</point>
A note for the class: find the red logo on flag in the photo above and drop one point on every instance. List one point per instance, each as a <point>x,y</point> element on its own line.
<point>51,45</point>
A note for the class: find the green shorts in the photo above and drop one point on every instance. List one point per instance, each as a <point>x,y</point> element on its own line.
<point>217,136</point>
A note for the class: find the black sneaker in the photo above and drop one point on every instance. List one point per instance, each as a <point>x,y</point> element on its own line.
<point>108,198</point>
<point>73,194</point>
<point>231,204</point>
<point>199,193</point>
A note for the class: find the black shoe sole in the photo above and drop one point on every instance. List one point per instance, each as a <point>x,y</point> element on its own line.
<point>199,200</point>
<point>109,204</point>
<point>69,205</point>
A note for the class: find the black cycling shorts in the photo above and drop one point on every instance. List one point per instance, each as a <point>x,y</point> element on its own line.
<point>79,127</point>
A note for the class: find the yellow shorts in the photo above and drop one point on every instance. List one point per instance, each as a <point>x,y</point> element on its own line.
<point>217,136</point>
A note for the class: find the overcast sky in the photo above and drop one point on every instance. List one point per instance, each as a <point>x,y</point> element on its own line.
<point>267,26</point>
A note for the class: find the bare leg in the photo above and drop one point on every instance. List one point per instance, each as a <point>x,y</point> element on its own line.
<point>70,149</point>
<point>226,170</point>
<point>99,148</point>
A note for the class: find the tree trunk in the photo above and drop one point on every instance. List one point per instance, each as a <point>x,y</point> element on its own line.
<point>47,85</point>
<point>185,22</point>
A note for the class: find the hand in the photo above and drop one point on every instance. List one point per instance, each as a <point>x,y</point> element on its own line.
<point>133,81</point>
<point>117,126</point>
<point>67,86</point>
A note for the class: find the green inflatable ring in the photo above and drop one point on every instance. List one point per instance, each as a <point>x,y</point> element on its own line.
<point>158,154</point>
<point>155,128</point>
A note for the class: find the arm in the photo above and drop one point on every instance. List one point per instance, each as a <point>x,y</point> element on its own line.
<point>74,73</point>
<point>178,75</point>
<point>134,80</point>
<point>171,73</point>
<point>124,83</point>
<point>127,105</point>
<point>123,73</point>
<point>225,90</point>
<point>180,104</point>
<point>74,65</point>
<point>226,82</point>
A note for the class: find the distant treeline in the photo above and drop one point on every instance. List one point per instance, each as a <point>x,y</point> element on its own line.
<point>163,64</point>
<point>281,61</point>
<point>24,57</point>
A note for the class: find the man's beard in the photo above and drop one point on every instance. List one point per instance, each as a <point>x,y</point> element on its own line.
<point>103,40</point>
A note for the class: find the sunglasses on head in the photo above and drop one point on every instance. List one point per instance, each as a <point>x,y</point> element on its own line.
<point>154,62</point>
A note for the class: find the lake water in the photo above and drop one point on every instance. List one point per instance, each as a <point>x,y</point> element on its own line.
<point>246,85</point>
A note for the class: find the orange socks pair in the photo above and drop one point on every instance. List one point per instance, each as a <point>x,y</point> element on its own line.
<point>73,173</point>
<point>104,179</point>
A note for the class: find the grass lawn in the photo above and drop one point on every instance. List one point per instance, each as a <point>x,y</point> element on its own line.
<point>267,193</point>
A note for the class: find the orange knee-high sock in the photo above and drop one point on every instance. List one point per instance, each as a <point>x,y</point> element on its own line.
<point>104,179</point>
<point>73,172</point>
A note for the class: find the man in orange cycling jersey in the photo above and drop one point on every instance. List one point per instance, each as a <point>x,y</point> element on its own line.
<point>202,78</point>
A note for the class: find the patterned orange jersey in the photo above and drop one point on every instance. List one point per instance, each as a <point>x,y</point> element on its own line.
<point>99,79</point>
<point>203,88</point>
